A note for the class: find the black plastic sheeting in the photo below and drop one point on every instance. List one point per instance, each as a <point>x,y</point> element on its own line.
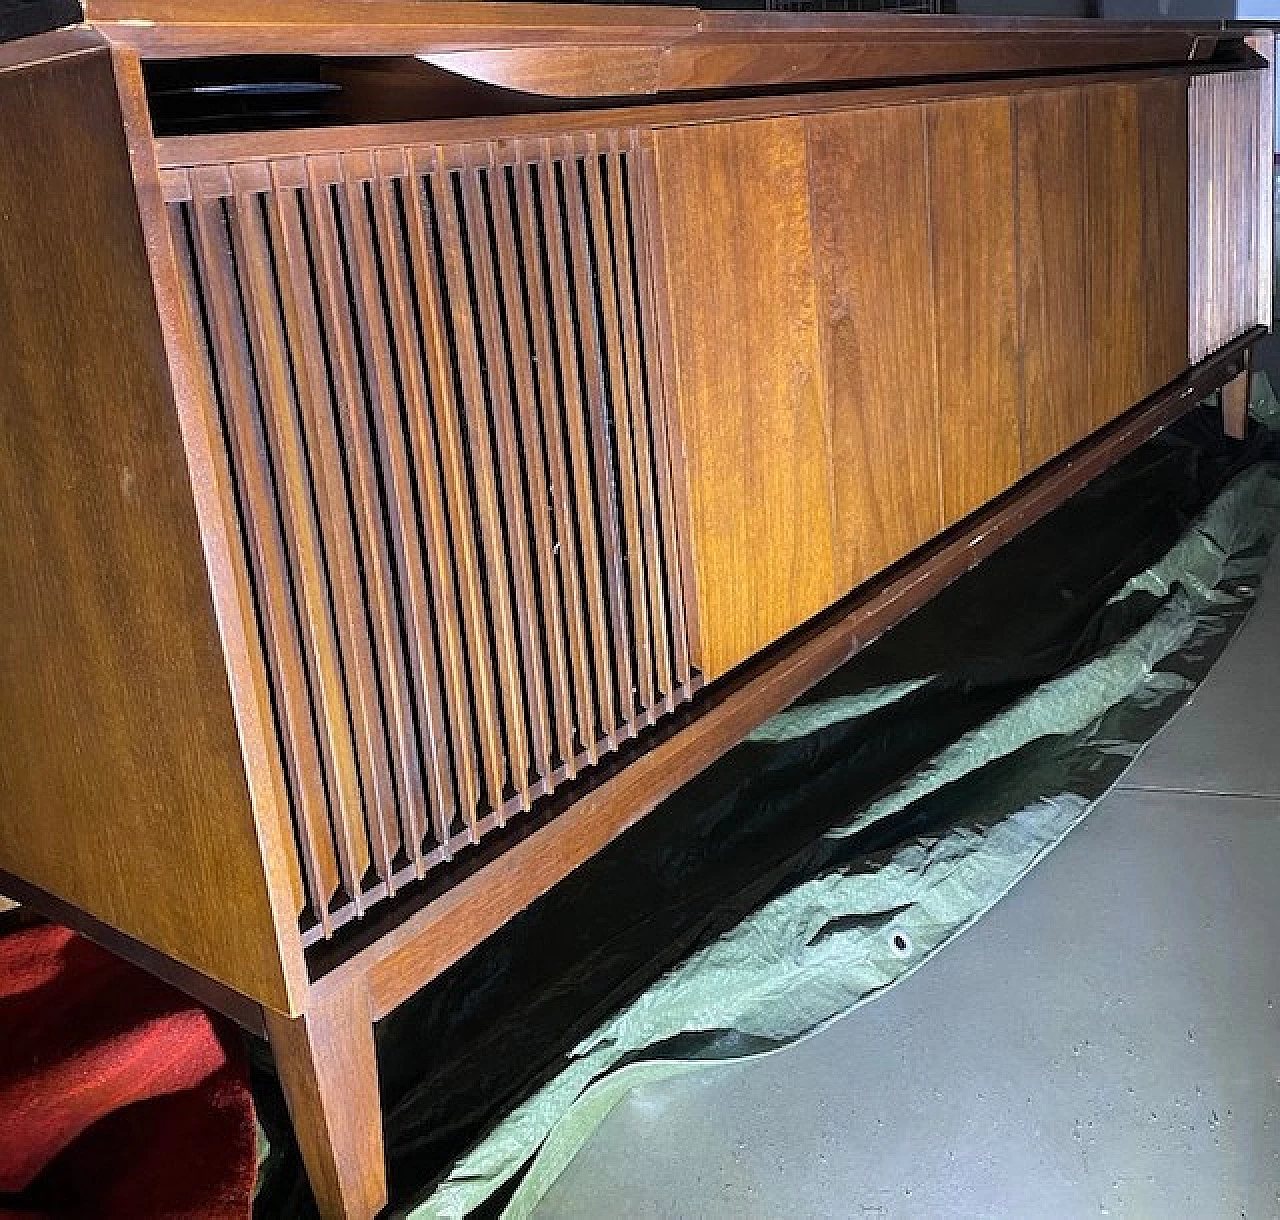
<point>483,1037</point>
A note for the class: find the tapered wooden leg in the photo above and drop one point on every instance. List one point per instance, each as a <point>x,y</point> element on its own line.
<point>329,1073</point>
<point>1235,405</point>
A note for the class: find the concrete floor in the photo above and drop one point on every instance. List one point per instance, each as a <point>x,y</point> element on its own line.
<point>1105,1042</point>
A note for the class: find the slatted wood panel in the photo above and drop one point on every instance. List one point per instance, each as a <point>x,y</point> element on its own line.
<point>1226,222</point>
<point>435,369</point>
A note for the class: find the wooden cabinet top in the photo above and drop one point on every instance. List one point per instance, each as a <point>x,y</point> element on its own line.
<point>582,50</point>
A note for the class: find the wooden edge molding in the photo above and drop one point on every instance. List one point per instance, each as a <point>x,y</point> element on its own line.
<point>245,1012</point>
<point>409,955</point>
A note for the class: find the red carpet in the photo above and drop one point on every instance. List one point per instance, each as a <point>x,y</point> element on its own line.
<point>119,1096</point>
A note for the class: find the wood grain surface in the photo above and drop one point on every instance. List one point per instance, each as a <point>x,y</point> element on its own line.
<point>122,785</point>
<point>1162,119</point>
<point>971,210</point>
<point>869,182</point>
<point>1053,265</point>
<point>329,1073</point>
<point>745,345</point>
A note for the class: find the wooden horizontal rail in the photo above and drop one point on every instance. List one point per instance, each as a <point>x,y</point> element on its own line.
<point>408,955</point>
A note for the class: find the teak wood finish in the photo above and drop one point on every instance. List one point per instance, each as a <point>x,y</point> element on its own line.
<point>395,511</point>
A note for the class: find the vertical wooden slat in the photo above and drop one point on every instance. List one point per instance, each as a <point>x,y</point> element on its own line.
<point>374,261</point>
<point>628,527</point>
<point>477,175</point>
<point>326,214</point>
<point>516,272</point>
<point>537,242</point>
<point>586,273</point>
<point>452,514</point>
<point>407,271</point>
<point>302,333</point>
<point>584,518</point>
<point>677,559</point>
<point>452,213</point>
<point>301,532</point>
<point>648,526</point>
<point>266,547</point>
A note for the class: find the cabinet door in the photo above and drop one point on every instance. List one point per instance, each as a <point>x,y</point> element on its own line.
<point>1053,267</point>
<point>1117,312</point>
<point>875,297</point>
<point>971,205</point>
<point>748,374</point>
<point>1165,239</point>
<point>1136,164</point>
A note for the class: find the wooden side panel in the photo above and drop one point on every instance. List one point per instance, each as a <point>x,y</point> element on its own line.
<point>122,785</point>
<point>1118,307</point>
<point>871,245</point>
<point>1162,110</point>
<point>1053,264</point>
<point>747,367</point>
<point>971,198</point>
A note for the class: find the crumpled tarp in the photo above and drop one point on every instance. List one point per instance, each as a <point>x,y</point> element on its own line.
<point>843,843</point>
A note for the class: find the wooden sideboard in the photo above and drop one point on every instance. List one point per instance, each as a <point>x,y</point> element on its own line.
<point>432,433</point>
